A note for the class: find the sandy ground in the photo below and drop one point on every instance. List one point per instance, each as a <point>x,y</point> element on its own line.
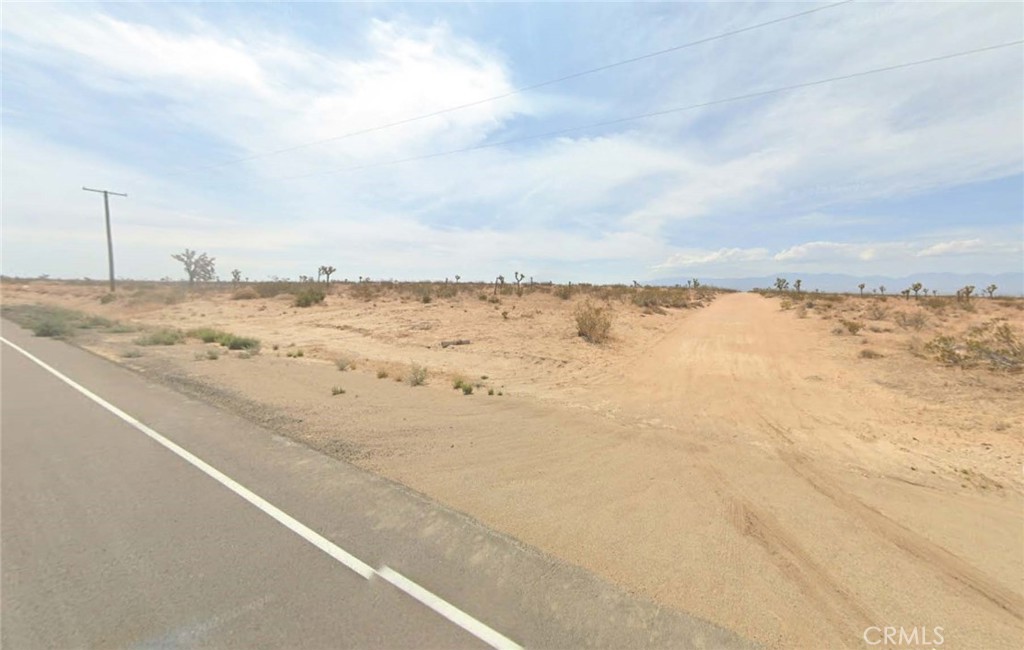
<point>740,461</point>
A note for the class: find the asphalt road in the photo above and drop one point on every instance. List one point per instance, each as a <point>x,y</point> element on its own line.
<point>132,516</point>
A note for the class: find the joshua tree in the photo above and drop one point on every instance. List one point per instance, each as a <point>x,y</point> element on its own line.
<point>197,266</point>
<point>991,290</point>
<point>325,271</point>
<point>696,283</point>
<point>967,291</point>
<point>935,292</point>
<point>861,287</point>
<point>498,280</point>
<point>881,289</point>
<point>796,284</point>
<point>236,277</point>
<point>906,293</point>
<point>457,278</point>
<point>519,281</point>
<point>916,288</point>
<point>781,284</point>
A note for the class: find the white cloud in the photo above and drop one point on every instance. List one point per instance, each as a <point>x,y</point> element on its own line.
<point>720,256</point>
<point>949,247</point>
<point>585,202</point>
<point>824,250</point>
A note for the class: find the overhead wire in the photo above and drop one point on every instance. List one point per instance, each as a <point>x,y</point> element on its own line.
<point>659,113</point>
<point>519,90</point>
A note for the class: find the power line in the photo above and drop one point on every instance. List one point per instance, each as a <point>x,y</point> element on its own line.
<point>521,89</point>
<point>667,111</point>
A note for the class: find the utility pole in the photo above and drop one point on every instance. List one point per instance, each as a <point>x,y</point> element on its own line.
<point>110,242</point>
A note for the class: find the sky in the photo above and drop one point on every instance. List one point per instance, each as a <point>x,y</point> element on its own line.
<point>187,108</point>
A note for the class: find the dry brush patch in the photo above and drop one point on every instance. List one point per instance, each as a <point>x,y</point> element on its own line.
<point>593,323</point>
<point>994,344</point>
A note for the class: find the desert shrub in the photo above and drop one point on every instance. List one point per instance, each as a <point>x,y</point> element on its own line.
<point>271,289</point>
<point>482,297</point>
<point>337,390</point>
<point>382,374</point>
<point>226,339</point>
<point>870,354</point>
<point>417,375</point>
<point>343,363</point>
<point>564,291</point>
<point>996,344</point>
<point>161,337</point>
<point>108,298</point>
<point>96,322</point>
<point>57,322</point>
<point>309,296</point>
<point>131,354</point>
<point>593,323</point>
<point>646,297</point>
<point>364,291</point>
<point>801,311</point>
<point>447,290</point>
<point>206,334</point>
<point>935,303</point>
<point>52,328</point>
<point>913,320</point>
<point>786,304</point>
<point>233,342</point>
<point>851,326</point>
<point>172,297</point>
<point>212,355</point>
<point>467,389</point>
<point>245,293</point>
<point>458,383</point>
<point>876,311</point>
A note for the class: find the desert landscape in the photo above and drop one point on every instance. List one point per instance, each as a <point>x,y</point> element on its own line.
<point>793,465</point>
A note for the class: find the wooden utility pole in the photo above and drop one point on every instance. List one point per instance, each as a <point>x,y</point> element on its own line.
<point>110,242</point>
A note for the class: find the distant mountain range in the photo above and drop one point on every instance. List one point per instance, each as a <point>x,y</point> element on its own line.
<point>1010,284</point>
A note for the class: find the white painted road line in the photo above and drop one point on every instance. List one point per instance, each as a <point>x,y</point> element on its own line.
<point>449,611</point>
<point>439,605</point>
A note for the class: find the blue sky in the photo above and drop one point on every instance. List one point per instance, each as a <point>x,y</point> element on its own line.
<point>910,171</point>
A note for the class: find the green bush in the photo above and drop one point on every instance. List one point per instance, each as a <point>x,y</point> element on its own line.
<point>207,334</point>
<point>233,342</point>
<point>309,296</point>
<point>49,321</point>
<point>52,328</point>
<point>161,337</point>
